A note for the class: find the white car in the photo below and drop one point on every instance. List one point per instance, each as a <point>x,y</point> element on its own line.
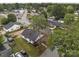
<point>18,54</point>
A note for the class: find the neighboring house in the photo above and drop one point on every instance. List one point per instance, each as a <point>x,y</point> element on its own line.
<point>18,13</point>
<point>11,27</point>
<point>53,22</point>
<point>21,16</point>
<point>76,12</point>
<point>61,21</point>
<point>5,50</point>
<point>33,13</point>
<point>31,36</point>
<point>49,53</point>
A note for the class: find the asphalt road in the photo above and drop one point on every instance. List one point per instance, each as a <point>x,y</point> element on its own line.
<point>24,20</point>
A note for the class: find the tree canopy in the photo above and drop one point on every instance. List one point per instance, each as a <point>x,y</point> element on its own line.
<point>69,18</point>
<point>70,9</point>
<point>3,20</point>
<point>39,22</point>
<point>56,10</point>
<point>11,18</point>
<point>67,40</point>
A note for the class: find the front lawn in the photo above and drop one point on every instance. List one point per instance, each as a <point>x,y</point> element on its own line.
<point>1,39</point>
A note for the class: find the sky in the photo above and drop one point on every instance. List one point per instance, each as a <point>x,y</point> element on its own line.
<point>39,1</point>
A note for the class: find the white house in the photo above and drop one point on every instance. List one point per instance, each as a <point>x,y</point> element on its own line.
<point>11,27</point>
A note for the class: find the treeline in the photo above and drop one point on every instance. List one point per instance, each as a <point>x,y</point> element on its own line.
<point>48,9</point>
<point>20,5</point>
<point>31,5</point>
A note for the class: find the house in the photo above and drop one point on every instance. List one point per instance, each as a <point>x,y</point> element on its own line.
<point>21,16</point>
<point>49,53</point>
<point>33,13</point>
<point>11,27</point>
<point>5,50</point>
<point>53,22</point>
<point>31,36</point>
<point>18,13</point>
<point>76,12</point>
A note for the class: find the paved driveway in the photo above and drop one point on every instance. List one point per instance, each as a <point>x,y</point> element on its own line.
<point>17,33</point>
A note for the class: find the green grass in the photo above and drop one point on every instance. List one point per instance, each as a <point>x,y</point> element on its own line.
<point>49,41</point>
<point>14,47</point>
<point>1,39</point>
<point>30,49</point>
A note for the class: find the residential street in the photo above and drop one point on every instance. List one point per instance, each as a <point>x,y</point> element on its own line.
<point>24,20</point>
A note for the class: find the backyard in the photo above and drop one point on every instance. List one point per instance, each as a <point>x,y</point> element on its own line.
<point>21,44</point>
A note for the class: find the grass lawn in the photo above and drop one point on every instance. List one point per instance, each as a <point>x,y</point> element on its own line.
<point>14,47</point>
<point>49,41</point>
<point>1,39</point>
<point>22,44</point>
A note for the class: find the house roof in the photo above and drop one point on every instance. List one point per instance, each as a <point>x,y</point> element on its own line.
<point>5,50</point>
<point>54,22</point>
<point>32,35</point>
<point>9,25</point>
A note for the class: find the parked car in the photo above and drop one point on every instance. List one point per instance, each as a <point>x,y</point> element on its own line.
<point>22,53</point>
<point>10,39</point>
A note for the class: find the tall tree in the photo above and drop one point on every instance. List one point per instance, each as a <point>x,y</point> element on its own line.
<point>11,18</point>
<point>3,20</point>
<point>1,7</point>
<point>39,22</point>
<point>56,10</point>
<point>70,9</point>
<point>69,18</point>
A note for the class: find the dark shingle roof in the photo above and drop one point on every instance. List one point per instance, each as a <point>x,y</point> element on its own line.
<point>9,25</point>
<point>54,22</point>
<point>32,35</point>
<point>5,50</point>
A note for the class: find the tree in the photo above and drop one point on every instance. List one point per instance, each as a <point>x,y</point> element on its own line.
<point>1,7</point>
<point>49,10</point>
<point>11,18</point>
<point>3,21</point>
<point>56,10</point>
<point>69,18</point>
<point>39,22</point>
<point>67,40</point>
<point>44,12</point>
<point>70,9</point>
